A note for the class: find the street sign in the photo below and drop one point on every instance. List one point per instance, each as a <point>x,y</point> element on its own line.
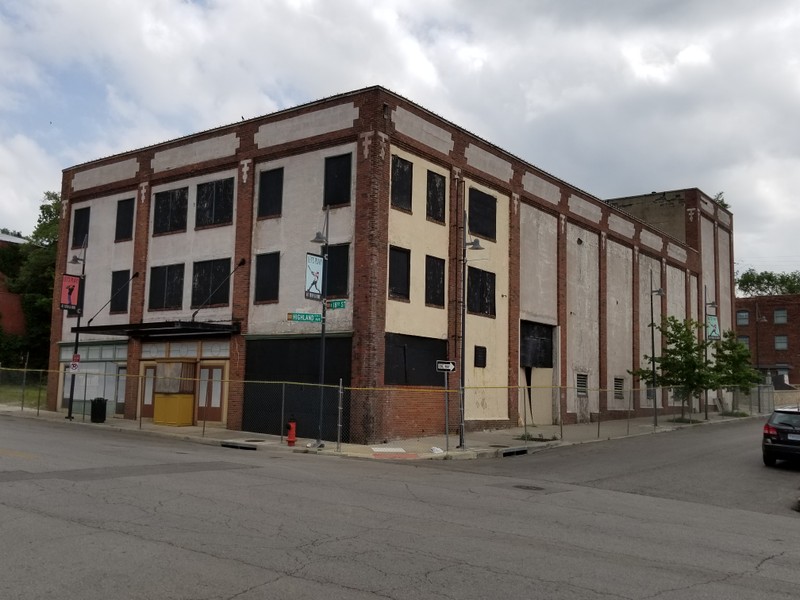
<point>74,367</point>
<point>445,366</point>
<point>76,358</point>
<point>332,304</point>
<point>305,317</point>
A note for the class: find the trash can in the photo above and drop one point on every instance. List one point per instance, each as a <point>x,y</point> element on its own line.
<point>99,410</point>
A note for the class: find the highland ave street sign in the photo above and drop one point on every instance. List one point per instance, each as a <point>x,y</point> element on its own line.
<point>305,317</point>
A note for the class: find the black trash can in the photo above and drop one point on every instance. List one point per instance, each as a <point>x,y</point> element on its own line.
<point>99,410</point>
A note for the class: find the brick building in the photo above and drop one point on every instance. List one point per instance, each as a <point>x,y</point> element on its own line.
<point>768,326</point>
<point>12,319</point>
<point>557,298</point>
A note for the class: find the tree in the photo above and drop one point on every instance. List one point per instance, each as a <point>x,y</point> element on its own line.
<point>683,364</point>
<point>720,199</point>
<point>8,231</point>
<point>768,283</point>
<point>732,364</point>
<point>31,275</point>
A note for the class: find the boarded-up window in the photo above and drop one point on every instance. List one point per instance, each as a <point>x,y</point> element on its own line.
<point>337,275</point>
<point>211,282</point>
<point>124,227</point>
<point>80,227</point>
<point>436,197</point>
<point>214,203</point>
<point>434,281</point>
<point>120,282</point>
<point>536,345</point>
<point>480,357</point>
<point>482,214</point>
<point>411,360</point>
<point>402,174</point>
<point>270,193</point>
<point>268,277</point>
<point>169,214</point>
<point>337,180</point>
<point>166,287</point>
<point>175,378</point>
<point>480,292</point>
<point>399,272</point>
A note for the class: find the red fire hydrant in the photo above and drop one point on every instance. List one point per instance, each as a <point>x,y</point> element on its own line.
<point>291,432</point>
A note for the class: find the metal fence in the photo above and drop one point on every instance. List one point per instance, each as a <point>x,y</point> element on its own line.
<point>427,417</point>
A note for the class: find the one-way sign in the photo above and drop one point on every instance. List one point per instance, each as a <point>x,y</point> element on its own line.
<point>445,366</point>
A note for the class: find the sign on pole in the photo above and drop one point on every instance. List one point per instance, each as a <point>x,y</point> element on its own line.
<point>712,327</point>
<point>70,292</point>
<point>332,304</point>
<point>315,266</point>
<point>445,366</point>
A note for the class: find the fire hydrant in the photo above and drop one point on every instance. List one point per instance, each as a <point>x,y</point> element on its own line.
<point>291,432</point>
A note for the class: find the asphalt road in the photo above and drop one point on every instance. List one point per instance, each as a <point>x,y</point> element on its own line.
<point>92,514</point>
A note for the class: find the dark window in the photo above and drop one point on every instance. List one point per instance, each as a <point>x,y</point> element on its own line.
<point>170,211</point>
<point>337,180</point>
<point>80,227</point>
<point>120,282</point>
<point>435,197</point>
<point>166,287</point>
<point>214,203</point>
<point>399,272</point>
<point>124,230</point>
<point>402,174</point>
<point>411,360</point>
<point>480,292</point>
<point>535,345</point>
<point>338,271</point>
<point>434,281</point>
<point>742,317</point>
<point>211,282</point>
<point>480,357</point>
<point>482,214</point>
<point>270,193</point>
<point>268,276</point>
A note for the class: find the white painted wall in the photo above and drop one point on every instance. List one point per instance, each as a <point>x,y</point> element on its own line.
<point>583,334</point>
<point>422,237</point>
<point>538,266</point>
<point>619,308</point>
<point>103,256</point>
<point>302,216</point>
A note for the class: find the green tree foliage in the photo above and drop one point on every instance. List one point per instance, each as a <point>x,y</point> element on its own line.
<point>31,274</point>
<point>732,364</point>
<point>720,199</point>
<point>8,231</point>
<point>768,283</point>
<point>683,364</point>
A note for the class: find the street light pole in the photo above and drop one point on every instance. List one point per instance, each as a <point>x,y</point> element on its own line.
<point>473,245</point>
<point>706,306</point>
<point>654,292</point>
<point>81,294</point>
<point>759,319</point>
<point>322,238</point>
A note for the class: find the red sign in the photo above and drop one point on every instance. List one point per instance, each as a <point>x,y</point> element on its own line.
<point>76,358</point>
<point>70,291</point>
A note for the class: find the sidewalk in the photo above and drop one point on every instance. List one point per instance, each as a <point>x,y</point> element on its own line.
<point>478,444</point>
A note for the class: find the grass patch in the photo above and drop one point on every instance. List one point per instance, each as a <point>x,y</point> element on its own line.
<point>12,394</point>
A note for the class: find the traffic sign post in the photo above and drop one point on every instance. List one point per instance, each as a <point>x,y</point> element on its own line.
<point>446,367</point>
<point>333,304</point>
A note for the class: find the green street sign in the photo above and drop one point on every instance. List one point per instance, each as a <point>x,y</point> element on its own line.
<point>304,317</point>
<point>337,304</point>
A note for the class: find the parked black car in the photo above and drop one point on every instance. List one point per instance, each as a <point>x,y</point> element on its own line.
<point>781,439</point>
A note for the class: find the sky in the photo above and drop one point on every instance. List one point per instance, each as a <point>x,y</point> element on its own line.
<point>616,97</point>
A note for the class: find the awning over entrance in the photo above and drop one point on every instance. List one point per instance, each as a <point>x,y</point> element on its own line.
<point>162,329</point>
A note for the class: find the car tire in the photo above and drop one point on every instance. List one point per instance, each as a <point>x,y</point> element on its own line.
<point>769,460</point>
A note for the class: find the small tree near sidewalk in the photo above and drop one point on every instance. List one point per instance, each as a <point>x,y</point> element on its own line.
<point>732,365</point>
<point>683,364</point>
